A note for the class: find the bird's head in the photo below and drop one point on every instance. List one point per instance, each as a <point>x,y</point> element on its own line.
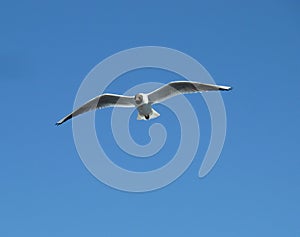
<point>138,98</point>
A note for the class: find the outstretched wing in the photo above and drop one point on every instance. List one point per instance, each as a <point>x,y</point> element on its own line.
<point>182,87</point>
<point>101,101</point>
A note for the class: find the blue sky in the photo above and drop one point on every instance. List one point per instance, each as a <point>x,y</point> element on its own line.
<point>46,49</point>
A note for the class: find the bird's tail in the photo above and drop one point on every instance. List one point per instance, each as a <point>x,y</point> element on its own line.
<point>140,117</point>
<point>154,114</point>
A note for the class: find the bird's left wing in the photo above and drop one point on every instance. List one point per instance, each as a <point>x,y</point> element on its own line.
<point>101,101</point>
<point>181,87</point>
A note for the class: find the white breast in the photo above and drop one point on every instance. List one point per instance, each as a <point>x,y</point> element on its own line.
<point>145,98</point>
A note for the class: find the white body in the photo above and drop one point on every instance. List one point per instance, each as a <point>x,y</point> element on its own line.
<point>145,109</point>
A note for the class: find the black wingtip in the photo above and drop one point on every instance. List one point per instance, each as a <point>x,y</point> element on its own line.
<point>64,120</point>
<point>225,89</point>
<point>59,122</point>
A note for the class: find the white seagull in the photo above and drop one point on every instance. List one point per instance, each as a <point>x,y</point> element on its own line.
<point>143,102</point>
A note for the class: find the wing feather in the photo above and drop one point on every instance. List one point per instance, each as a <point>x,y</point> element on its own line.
<point>181,87</point>
<point>101,101</point>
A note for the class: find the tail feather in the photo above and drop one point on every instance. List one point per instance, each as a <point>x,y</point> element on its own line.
<point>154,114</point>
<point>140,117</point>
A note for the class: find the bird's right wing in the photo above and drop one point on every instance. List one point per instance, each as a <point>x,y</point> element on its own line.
<point>101,101</point>
<point>181,87</point>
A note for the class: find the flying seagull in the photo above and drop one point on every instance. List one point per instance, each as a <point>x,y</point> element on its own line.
<point>143,102</point>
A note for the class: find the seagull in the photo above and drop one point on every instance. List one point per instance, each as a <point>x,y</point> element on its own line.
<point>143,102</point>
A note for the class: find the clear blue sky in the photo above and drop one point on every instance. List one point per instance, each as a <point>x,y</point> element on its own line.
<point>46,49</point>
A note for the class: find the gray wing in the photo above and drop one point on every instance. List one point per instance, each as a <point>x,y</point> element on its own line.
<point>182,87</point>
<point>101,101</point>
